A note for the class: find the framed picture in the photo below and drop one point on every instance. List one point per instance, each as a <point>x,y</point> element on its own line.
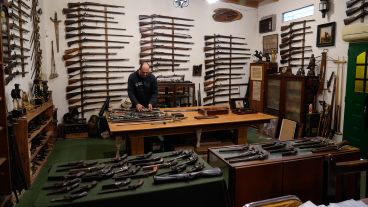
<point>270,42</point>
<point>326,34</point>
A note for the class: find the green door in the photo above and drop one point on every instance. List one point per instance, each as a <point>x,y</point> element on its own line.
<point>356,99</point>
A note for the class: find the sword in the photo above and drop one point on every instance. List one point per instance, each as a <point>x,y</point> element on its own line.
<point>56,27</point>
<point>53,73</point>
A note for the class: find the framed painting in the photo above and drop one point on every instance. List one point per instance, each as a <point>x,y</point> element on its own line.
<point>326,34</point>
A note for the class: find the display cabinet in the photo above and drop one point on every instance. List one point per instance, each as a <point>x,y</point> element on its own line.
<point>172,94</point>
<point>34,133</point>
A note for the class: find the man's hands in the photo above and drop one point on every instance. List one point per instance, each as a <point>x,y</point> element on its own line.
<point>140,107</point>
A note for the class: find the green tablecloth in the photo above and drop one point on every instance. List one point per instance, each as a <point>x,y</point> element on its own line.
<point>201,192</point>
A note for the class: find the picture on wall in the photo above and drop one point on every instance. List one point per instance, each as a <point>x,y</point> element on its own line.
<point>270,42</point>
<point>326,34</point>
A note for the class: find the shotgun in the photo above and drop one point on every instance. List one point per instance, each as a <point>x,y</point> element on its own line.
<point>286,27</point>
<point>79,49</point>
<point>83,20</point>
<point>72,16</point>
<point>72,88</point>
<point>351,3</point>
<point>70,43</point>
<point>142,17</point>
<point>71,95</point>
<point>225,53</point>
<point>79,4</point>
<point>69,63</point>
<point>80,54</point>
<point>283,52</point>
<point>162,60</point>
<point>72,81</point>
<point>220,69</point>
<point>83,67</point>
<point>91,103</point>
<point>207,83</point>
<point>217,64</point>
<point>290,42</point>
<point>220,59</point>
<point>205,99</point>
<point>354,10</point>
<point>70,29</point>
<point>157,34</point>
<point>98,71</point>
<point>68,36</point>
<point>224,85</point>
<point>206,49</point>
<point>73,101</point>
<point>216,75</point>
<point>352,19</point>
<point>288,56</point>
<point>283,61</point>
<point>163,47</point>
<point>144,42</point>
<point>223,42</point>
<point>162,54</point>
<point>293,31</point>
<point>287,39</point>
<point>208,37</point>
<point>146,29</point>
<point>68,11</point>
<point>164,23</point>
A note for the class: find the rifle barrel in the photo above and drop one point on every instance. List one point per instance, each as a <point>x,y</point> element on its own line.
<point>78,4</point>
<point>352,19</point>
<point>67,11</point>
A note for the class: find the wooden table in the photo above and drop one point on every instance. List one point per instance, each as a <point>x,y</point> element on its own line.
<point>137,132</point>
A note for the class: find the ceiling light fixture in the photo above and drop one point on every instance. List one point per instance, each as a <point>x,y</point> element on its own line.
<point>181,3</point>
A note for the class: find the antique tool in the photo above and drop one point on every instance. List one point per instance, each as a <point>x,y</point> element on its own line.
<point>288,55</point>
<point>350,20</point>
<point>331,147</point>
<point>354,10</point>
<point>56,22</point>
<point>351,3</point>
<point>134,186</point>
<point>339,91</point>
<point>69,63</point>
<point>322,73</point>
<point>224,42</point>
<point>69,197</point>
<point>291,49</point>
<point>187,176</point>
<point>163,47</point>
<point>282,45</point>
<point>53,73</point>
<point>71,95</point>
<point>80,48</point>
<point>67,57</point>
<point>157,34</point>
<point>287,39</point>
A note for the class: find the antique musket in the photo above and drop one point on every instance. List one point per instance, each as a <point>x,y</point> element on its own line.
<point>293,31</point>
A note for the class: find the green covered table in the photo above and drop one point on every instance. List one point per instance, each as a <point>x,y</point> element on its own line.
<point>200,192</point>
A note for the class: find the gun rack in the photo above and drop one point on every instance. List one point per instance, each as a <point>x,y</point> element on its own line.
<point>104,76</point>
<point>221,79</point>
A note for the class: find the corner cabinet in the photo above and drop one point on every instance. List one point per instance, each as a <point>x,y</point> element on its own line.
<point>35,137</point>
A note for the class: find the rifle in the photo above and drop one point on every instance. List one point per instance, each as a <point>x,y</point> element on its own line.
<point>14,36</point>
<point>208,37</point>
<point>70,22</point>
<point>322,72</point>
<point>143,42</point>
<point>164,23</point>
<point>16,27</point>
<point>146,29</point>
<point>169,69</point>
<point>14,16</point>
<point>72,16</point>
<point>12,75</point>
<point>294,30</point>
<point>80,54</point>
<point>287,39</point>
<point>161,65</point>
<point>69,63</point>
<point>207,83</point>
<point>142,17</point>
<point>286,27</point>
<point>219,69</point>
<point>283,61</point>
<point>214,172</point>
<point>224,53</point>
<point>205,99</point>
<point>67,36</point>
<point>287,56</point>
<point>221,75</point>
<point>282,52</point>
<point>161,54</point>
<point>73,101</point>
<point>282,45</point>
<point>70,43</point>
<point>220,59</point>
<point>351,3</point>
<point>332,76</point>
<point>68,51</point>
<point>155,34</point>
<point>23,4</point>
<point>72,81</point>
<point>163,47</point>
<point>224,85</point>
<point>223,42</point>
<point>15,56</point>
<point>73,69</point>
<point>12,5</point>
<point>98,71</point>
<point>91,103</point>
<point>217,64</point>
<point>78,4</point>
<point>71,95</point>
<point>353,10</point>
<point>68,11</point>
<point>352,19</point>
<point>209,93</point>
<point>70,29</point>
<point>206,49</point>
<point>162,60</point>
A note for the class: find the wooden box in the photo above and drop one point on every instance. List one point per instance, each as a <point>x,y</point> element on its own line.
<point>213,111</point>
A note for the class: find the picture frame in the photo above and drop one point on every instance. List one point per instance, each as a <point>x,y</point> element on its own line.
<point>326,34</point>
<point>270,42</point>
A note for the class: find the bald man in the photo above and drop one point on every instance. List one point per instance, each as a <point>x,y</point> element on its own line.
<point>142,88</point>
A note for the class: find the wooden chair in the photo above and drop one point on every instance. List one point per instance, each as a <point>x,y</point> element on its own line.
<point>283,201</point>
<point>287,130</point>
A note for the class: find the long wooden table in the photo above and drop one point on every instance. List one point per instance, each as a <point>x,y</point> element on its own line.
<point>137,132</point>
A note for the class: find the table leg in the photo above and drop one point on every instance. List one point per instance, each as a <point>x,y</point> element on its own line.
<point>136,145</point>
<point>198,134</point>
<point>242,136</point>
<point>118,141</point>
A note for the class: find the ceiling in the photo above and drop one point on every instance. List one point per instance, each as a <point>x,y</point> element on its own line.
<point>249,3</point>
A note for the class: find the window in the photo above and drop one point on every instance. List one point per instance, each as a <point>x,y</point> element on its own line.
<point>298,13</point>
<point>361,73</point>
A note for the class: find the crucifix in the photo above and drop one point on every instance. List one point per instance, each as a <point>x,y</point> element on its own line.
<point>56,22</point>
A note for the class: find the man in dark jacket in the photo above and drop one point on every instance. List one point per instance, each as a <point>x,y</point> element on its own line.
<point>142,88</point>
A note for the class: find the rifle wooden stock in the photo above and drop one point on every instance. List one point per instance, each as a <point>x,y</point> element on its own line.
<point>282,45</point>
<point>144,42</point>
<point>70,29</point>
<point>91,103</point>
<point>224,85</point>
<point>157,34</point>
<point>288,56</point>
<point>163,47</point>
<point>68,51</point>
<point>78,4</point>
<point>216,75</point>
<point>162,54</point>
<point>208,37</point>
<point>351,3</point>
<point>72,16</point>
<point>97,71</point>
<point>68,36</point>
<point>223,42</point>
<point>286,27</point>
<point>352,19</point>
<point>354,10</point>
<point>71,95</point>
<point>283,52</point>
<point>73,101</point>
<point>164,23</point>
<point>207,83</point>
<point>220,69</point>
<point>73,69</point>
<point>294,30</point>
<point>205,99</point>
<point>146,29</point>
<point>206,49</point>
<point>72,81</point>
<point>283,61</point>
<point>217,64</point>
<point>72,88</point>
<point>69,63</point>
<point>162,60</point>
<point>70,22</point>
<point>142,17</point>
<point>68,11</point>
<point>225,53</point>
<point>220,59</point>
<point>67,57</point>
<point>287,39</point>
<point>70,43</point>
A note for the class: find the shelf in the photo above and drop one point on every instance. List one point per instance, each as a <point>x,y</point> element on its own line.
<point>35,133</point>
<point>2,161</point>
<point>34,176</point>
<point>32,114</point>
<point>39,147</point>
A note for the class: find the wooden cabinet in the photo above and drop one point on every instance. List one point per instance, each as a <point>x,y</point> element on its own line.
<point>172,94</point>
<point>34,133</point>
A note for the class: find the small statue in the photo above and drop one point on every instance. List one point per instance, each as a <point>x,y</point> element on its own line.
<point>15,94</point>
<point>258,55</point>
<point>311,66</point>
